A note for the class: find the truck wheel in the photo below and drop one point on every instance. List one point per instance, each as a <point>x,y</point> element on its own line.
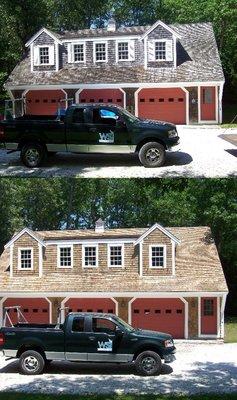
<point>32,155</point>
<point>31,363</point>
<point>148,363</point>
<point>152,154</point>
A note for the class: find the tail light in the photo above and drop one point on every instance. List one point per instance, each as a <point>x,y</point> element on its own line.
<point>2,339</point>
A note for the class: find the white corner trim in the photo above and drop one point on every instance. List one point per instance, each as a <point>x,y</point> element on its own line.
<point>57,56</point>
<point>20,249</point>
<point>11,260</point>
<point>83,255</point>
<point>187,104</point>
<point>33,38</point>
<point>173,258</point>
<point>50,309</point>
<point>59,247</point>
<point>164,255</point>
<point>141,258</point>
<point>162,229</point>
<point>40,260</point>
<point>22,232</point>
<point>115,244</point>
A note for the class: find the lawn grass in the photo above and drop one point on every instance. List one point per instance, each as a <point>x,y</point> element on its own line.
<point>23,396</point>
<point>229,112</point>
<point>231,330</point>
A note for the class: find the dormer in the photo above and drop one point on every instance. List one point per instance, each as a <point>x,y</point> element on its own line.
<point>44,51</point>
<point>160,46</point>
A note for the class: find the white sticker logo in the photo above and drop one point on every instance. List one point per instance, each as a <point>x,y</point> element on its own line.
<point>105,346</point>
<point>106,137</point>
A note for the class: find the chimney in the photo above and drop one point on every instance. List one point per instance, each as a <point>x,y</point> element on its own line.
<point>99,226</point>
<point>111,27</point>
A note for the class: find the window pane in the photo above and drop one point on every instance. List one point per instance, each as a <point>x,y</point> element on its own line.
<point>160,50</point>
<point>78,325</point>
<point>65,257</point>
<point>123,51</point>
<point>157,256</point>
<point>116,256</point>
<point>78,116</point>
<point>207,96</point>
<point>208,307</point>
<point>90,256</point>
<point>100,52</point>
<point>78,52</point>
<point>103,325</point>
<point>44,55</point>
<point>26,259</point>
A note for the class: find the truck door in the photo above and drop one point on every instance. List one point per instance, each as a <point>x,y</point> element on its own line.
<point>106,345</point>
<point>77,341</point>
<point>78,136</point>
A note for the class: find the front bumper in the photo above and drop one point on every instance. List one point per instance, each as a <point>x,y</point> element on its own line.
<point>169,358</point>
<point>173,143</point>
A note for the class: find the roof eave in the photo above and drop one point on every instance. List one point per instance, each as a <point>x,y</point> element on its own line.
<point>22,232</point>
<point>162,229</point>
<point>154,26</point>
<point>33,38</point>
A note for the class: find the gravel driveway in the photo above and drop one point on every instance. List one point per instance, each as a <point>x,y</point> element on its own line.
<point>203,153</point>
<point>199,368</point>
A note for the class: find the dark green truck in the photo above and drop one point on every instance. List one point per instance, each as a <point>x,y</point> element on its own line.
<point>86,337</point>
<point>88,128</point>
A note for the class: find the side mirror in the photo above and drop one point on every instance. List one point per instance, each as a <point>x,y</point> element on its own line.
<point>120,123</point>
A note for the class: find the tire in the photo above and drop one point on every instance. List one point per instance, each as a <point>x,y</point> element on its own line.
<point>32,155</point>
<point>31,363</point>
<point>148,363</point>
<point>152,155</point>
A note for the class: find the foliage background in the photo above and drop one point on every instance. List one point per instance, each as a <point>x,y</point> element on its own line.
<point>20,19</point>
<point>78,203</point>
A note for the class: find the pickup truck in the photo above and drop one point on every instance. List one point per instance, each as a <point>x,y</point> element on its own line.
<point>86,337</point>
<point>88,128</point>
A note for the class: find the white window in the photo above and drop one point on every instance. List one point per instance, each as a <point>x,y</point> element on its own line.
<point>157,256</point>
<point>25,258</point>
<point>125,51</point>
<point>160,50</point>
<point>79,52</point>
<point>100,52</point>
<point>65,256</point>
<point>115,255</point>
<point>43,55</point>
<point>90,256</point>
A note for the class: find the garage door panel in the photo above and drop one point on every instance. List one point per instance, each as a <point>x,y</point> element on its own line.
<point>34,310</point>
<point>91,305</point>
<point>166,315</point>
<point>44,102</point>
<point>163,104</point>
<point>114,96</point>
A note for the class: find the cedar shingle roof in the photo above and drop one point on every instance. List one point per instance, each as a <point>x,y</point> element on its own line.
<point>198,268</point>
<point>197,61</point>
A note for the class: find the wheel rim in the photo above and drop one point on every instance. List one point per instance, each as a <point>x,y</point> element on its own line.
<point>148,364</point>
<point>31,363</point>
<point>32,157</point>
<point>153,155</point>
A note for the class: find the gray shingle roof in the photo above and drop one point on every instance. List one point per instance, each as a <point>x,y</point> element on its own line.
<point>197,61</point>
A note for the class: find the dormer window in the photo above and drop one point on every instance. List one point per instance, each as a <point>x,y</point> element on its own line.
<point>125,51</point>
<point>44,55</point>
<point>157,256</point>
<point>25,259</point>
<point>160,50</point>
<point>100,52</point>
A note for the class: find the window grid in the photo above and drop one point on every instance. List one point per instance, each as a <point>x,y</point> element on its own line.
<point>44,55</point>
<point>90,256</point>
<point>26,259</point>
<point>116,256</point>
<point>65,257</point>
<point>100,52</point>
<point>157,256</point>
<point>208,307</point>
<point>78,52</point>
<point>123,51</point>
<point>160,50</point>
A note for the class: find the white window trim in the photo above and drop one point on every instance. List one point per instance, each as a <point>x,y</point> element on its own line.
<point>94,52</point>
<point>150,254</point>
<point>84,52</point>
<point>159,41</point>
<point>19,258</point>
<point>40,47</point>
<point>59,247</point>
<point>83,255</point>
<point>117,56</point>
<point>115,244</point>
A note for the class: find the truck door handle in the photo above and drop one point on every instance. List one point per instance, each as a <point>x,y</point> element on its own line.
<point>93,130</point>
<point>92,337</point>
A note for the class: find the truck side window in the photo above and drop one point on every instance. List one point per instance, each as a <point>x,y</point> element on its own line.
<point>101,325</point>
<point>78,116</point>
<point>105,117</point>
<point>78,324</point>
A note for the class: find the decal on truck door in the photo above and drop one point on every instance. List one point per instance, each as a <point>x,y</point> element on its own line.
<point>105,346</point>
<point>106,137</point>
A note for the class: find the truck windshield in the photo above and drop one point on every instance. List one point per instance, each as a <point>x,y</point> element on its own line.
<point>124,324</point>
<point>130,116</point>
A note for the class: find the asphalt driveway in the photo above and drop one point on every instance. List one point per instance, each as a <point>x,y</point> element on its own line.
<point>199,368</point>
<point>202,153</point>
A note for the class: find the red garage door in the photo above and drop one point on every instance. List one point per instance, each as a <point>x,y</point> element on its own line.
<point>114,96</point>
<point>165,315</point>
<point>91,305</point>
<point>44,102</point>
<point>163,104</point>
<point>34,310</point>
